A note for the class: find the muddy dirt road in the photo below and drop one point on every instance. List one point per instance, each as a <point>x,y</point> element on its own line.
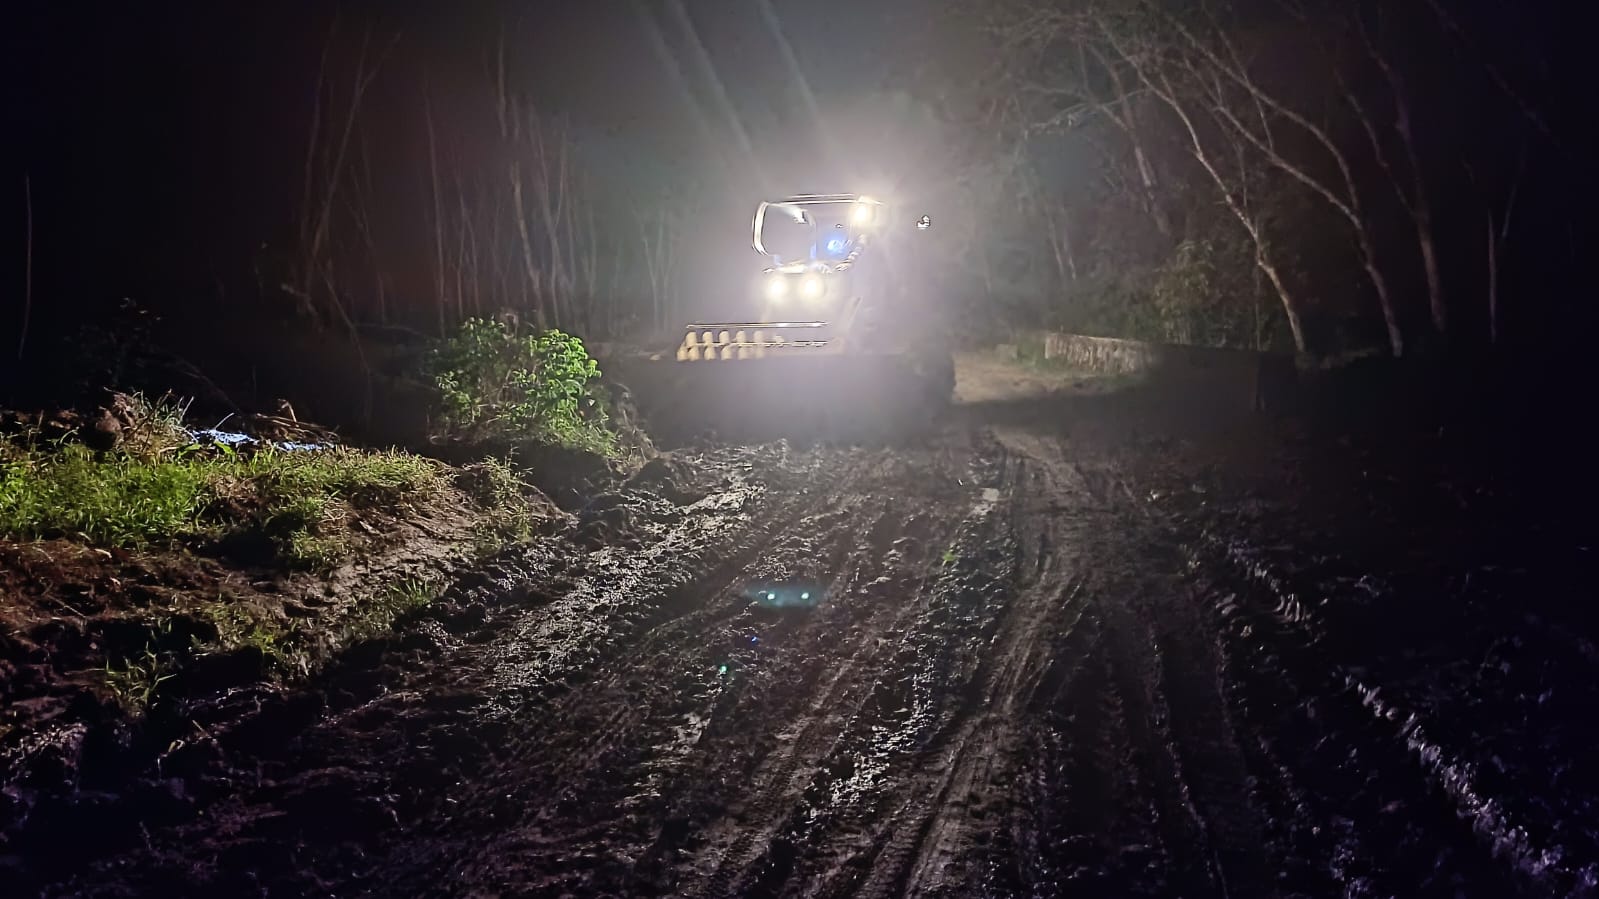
<point>1057,649</point>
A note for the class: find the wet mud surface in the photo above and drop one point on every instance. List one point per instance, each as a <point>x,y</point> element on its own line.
<point>1056,648</point>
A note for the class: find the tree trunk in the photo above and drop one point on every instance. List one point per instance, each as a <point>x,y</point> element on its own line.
<point>1429,265</point>
<point>1390,319</point>
<point>438,211</point>
<point>1290,306</point>
<point>1234,204</point>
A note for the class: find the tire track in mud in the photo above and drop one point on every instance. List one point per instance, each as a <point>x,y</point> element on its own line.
<point>1159,704</point>
<point>1414,813</point>
<point>1025,680</point>
<point>1078,668</point>
<point>576,818</point>
<point>1082,820</point>
<point>945,790</point>
<point>452,695</point>
<point>914,789</point>
<point>764,853</point>
<point>1372,792</point>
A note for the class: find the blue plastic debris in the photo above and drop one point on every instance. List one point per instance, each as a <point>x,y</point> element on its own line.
<point>236,439</point>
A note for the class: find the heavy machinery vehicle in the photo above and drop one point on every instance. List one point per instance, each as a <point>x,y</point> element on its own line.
<point>844,341</point>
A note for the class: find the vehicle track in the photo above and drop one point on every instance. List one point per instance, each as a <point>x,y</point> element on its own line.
<point>1025,676</point>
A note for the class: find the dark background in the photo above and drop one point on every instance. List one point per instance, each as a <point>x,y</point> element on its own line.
<point>165,144</point>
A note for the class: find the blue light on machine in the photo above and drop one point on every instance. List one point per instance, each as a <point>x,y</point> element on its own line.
<point>835,246</point>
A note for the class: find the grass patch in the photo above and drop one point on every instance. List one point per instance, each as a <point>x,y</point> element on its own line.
<point>504,499</point>
<point>289,648</point>
<point>378,614</point>
<point>1030,351</point>
<point>238,629</point>
<point>135,683</point>
<point>296,501</point>
<point>117,501</point>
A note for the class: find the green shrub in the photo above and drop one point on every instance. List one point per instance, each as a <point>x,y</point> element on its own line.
<point>1206,296</point>
<point>1206,293</point>
<point>492,380</point>
<point>1110,306</point>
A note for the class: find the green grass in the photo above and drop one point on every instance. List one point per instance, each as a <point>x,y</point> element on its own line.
<point>278,641</point>
<point>590,437</point>
<point>137,681</point>
<point>290,648</point>
<point>382,610</point>
<point>508,517</point>
<point>119,501</point>
<point>297,499</point>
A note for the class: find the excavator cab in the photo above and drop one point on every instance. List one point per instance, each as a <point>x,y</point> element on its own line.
<point>839,341</point>
<point>829,280</point>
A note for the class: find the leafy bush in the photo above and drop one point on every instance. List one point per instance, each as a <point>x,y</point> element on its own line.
<point>1109,306</point>
<point>492,380</point>
<point>1207,295</point>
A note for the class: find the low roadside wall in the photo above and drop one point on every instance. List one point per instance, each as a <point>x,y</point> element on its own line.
<point>1242,380</point>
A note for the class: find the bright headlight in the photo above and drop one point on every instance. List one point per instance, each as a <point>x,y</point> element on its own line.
<point>811,286</point>
<point>776,287</point>
<point>862,214</point>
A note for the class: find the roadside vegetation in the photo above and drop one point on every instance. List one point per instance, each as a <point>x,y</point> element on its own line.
<point>161,487</point>
<point>502,498</point>
<point>144,556</point>
<point>139,554</point>
<point>495,382</point>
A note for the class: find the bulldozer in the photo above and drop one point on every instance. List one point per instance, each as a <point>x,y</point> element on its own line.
<point>844,341</point>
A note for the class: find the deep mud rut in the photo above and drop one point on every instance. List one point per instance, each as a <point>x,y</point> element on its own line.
<point>1034,655</point>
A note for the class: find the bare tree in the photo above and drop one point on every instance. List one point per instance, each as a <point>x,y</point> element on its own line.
<point>362,192</point>
<point>1057,220</point>
<point>326,161</point>
<point>1233,188</point>
<point>440,297</point>
<point>1498,219</point>
<point>660,234</point>
<point>1412,191</point>
<point>510,119</point>
<point>1517,97</point>
<point>1214,68</point>
<point>1122,111</point>
<point>1071,95</point>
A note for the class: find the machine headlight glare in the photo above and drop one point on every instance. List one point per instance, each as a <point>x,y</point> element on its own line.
<point>811,286</point>
<point>776,287</point>
<point>862,214</point>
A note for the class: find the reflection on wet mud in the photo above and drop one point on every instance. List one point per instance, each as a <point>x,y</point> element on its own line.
<point>786,594</point>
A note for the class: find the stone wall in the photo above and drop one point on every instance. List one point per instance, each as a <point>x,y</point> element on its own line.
<point>1223,378</point>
